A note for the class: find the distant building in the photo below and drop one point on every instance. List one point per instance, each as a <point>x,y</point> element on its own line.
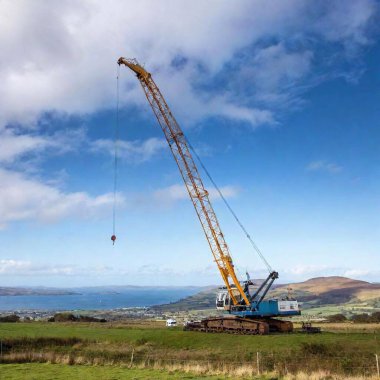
<point>171,322</point>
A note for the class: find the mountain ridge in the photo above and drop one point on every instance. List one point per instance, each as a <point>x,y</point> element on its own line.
<point>314,292</point>
<point>33,291</point>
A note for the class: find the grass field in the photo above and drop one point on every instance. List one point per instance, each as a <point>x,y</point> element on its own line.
<point>346,309</point>
<point>342,348</point>
<point>149,335</point>
<point>38,371</point>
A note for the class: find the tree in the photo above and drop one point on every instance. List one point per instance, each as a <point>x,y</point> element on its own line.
<point>375,317</point>
<point>337,318</point>
<point>361,318</point>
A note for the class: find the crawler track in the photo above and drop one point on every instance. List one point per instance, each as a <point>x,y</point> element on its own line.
<point>239,325</point>
<point>277,325</point>
<point>231,325</point>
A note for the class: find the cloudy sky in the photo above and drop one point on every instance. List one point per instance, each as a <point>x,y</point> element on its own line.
<point>279,98</point>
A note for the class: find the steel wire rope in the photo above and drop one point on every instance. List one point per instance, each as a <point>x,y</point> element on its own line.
<point>116,148</point>
<point>255,247</point>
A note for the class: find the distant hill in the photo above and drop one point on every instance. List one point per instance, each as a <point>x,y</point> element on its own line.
<point>315,292</point>
<point>16,291</point>
<point>199,301</point>
<point>331,290</point>
<point>101,290</point>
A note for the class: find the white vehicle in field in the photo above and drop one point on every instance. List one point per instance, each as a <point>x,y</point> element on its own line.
<point>171,322</point>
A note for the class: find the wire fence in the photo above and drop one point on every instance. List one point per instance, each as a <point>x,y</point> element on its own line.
<point>263,362</point>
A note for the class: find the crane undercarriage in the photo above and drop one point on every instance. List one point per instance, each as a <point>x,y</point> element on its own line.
<point>255,318</point>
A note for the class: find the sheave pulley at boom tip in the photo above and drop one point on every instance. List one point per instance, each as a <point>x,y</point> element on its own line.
<point>116,139</point>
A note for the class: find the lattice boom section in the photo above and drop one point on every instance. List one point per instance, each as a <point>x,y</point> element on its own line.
<point>194,184</point>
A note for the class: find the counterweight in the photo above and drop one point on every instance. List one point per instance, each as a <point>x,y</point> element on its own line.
<point>194,185</point>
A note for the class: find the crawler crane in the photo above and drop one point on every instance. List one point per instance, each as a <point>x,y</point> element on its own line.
<point>246,310</point>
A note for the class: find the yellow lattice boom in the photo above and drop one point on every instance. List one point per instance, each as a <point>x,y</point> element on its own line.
<point>194,185</point>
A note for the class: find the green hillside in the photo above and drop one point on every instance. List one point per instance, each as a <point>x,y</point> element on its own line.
<point>316,292</point>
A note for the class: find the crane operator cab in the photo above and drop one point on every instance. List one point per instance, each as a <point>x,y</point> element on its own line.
<point>223,299</point>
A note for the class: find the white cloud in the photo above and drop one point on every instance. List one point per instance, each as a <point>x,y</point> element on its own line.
<point>14,268</point>
<point>194,105</point>
<point>277,74</point>
<point>362,273</point>
<point>60,55</point>
<point>28,268</point>
<point>352,29</point>
<point>15,146</point>
<point>206,273</point>
<point>23,198</point>
<point>20,267</point>
<point>178,192</point>
<point>204,150</point>
<point>304,272</point>
<point>135,151</point>
<point>310,270</point>
<point>252,116</point>
<point>324,166</point>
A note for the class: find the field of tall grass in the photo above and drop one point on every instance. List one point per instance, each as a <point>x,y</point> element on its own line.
<point>339,352</point>
<point>47,371</point>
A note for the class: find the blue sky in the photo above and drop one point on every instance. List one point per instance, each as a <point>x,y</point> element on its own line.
<point>280,99</point>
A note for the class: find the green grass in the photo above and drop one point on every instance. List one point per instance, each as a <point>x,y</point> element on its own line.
<point>153,346</point>
<point>38,371</point>
<point>176,339</point>
<point>346,309</point>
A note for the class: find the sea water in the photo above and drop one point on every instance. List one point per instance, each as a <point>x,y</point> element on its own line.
<point>87,299</point>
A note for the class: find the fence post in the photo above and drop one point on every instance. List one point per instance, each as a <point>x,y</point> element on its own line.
<point>130,364</point>
<point>377,365</point>
<point>258,362</point>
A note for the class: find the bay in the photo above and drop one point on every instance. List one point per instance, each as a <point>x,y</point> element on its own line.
<point>98,298</point>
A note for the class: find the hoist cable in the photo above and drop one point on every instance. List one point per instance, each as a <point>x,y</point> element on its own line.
<point>255,247</point>
<point>116,146</point>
